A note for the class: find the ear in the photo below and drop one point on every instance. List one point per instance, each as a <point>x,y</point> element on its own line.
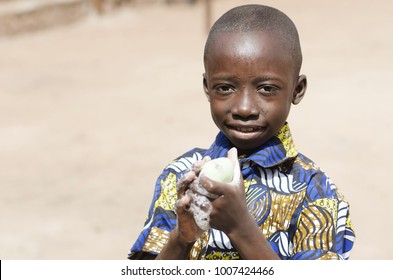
<point>205,87</point>
<point>300,90</point>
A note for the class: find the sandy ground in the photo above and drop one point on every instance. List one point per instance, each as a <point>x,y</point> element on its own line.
<point>91,113</point>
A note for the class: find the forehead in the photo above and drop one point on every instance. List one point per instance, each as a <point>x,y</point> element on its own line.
<point>250,45</point>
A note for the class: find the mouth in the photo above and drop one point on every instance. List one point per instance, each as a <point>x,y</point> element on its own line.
<point>246,137</point>
<point>247,129</point>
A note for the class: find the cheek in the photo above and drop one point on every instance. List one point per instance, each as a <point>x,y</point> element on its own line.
<point>218,113</point>
<point>217,108</point>
<point>277,110</point>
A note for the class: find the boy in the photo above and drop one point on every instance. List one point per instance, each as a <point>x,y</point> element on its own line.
<point>280,205</point>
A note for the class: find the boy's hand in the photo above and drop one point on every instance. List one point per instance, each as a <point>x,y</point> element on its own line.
<point>229,214</point>
<point>230,207</point>
<point>186,232</point>
<point>186,228</point>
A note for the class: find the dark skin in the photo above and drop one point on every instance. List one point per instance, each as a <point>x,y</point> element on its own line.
<point>250,83</point>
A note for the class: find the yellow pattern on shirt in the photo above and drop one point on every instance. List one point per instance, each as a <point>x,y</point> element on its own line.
<point>285,137</point>
<point>168,194</point>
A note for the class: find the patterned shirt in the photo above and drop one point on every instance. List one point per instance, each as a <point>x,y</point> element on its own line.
<point>295,204</point>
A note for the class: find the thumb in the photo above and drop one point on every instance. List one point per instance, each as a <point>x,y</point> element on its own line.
<point>237,174</point>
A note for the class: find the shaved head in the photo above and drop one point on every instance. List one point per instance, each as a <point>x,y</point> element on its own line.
<point>252,18</point>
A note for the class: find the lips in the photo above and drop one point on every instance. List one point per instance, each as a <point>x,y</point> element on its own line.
<point>246,129</point>
<point>246,136</point>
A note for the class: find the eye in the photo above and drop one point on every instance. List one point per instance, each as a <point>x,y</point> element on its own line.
<point>268,90</point>
<point>224,89</point>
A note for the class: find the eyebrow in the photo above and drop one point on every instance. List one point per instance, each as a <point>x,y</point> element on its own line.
<point>267,78</point>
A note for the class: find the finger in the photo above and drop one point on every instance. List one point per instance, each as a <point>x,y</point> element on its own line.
<point>237,174</point>
<point>213,189</point>
<point>182,205</point>
<point>197,166</point>
<point>196,187</point>
<point>184,183</point>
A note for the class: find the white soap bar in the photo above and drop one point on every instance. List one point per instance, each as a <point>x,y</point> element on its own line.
<point>219,169</point>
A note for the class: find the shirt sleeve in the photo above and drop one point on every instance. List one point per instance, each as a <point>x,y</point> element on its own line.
<point>161,217</point>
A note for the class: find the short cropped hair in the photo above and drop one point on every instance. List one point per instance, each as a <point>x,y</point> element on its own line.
<point>255,17</point>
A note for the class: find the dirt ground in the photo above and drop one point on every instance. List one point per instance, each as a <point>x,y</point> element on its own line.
<point>90,113</point>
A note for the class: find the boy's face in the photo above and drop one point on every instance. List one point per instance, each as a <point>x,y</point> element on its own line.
<point>250,82</point>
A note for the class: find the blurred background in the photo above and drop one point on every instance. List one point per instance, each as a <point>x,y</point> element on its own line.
<point>98,96</point>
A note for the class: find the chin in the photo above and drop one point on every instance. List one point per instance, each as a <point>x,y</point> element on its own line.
<point>246,148</point>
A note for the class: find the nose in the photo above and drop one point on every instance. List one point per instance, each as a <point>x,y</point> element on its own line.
<point>246,106</point>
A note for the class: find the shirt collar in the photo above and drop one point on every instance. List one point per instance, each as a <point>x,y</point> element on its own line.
<point>279,149</point>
